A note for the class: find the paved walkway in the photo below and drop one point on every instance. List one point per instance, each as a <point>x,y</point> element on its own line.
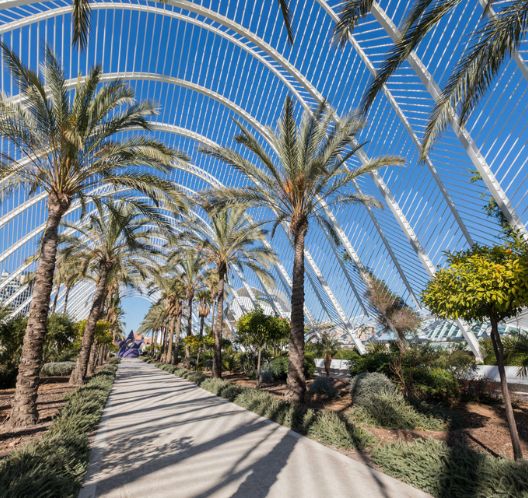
<point>161,436</point>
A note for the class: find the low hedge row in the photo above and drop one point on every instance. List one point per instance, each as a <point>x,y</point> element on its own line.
<point>428,464</point>
<point>55,465</point>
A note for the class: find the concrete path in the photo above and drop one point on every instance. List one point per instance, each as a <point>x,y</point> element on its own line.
<point>161,436</point>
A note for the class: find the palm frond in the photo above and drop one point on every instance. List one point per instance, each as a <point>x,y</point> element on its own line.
<point>475,72</point>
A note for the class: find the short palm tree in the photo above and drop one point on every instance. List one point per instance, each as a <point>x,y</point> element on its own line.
<point>114,247</point>
<point>392,313</point>
<point>66,146</point>
<point>229,242</point>
<point>311,173</point>
<point>326,346</point>
<point>491,43</point>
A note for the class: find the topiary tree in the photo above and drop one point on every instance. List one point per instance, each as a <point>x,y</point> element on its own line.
<point>484,283</point>
<point>259,331</point>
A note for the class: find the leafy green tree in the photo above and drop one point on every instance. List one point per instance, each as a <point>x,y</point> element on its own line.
<point>66,144</point>
<point>62,332</point>
<point>491,43</point>
<point>259,332</point>
<point>484,283</point>
<point>308,173</point>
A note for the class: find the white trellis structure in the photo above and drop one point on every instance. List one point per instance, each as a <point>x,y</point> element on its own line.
<point>207,61</point>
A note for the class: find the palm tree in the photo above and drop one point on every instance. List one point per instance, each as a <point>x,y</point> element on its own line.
<point>491,43</point>
<point>190,266</point>
<point>229,242</point>
<point>392,313</point>
<point>114,246</point>
<point>311,174</point>
<point>166,280</point>
<point>66,147</point>
<point>204,308</point>
<point>81,20</point>
<point>327,346</point>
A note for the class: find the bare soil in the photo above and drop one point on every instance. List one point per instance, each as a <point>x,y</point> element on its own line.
<point>480,426</point>
<point>51,398</point>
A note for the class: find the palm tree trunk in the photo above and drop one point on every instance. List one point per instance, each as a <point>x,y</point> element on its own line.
<point>217,331</point>
<point>177,338</point>
<point>24,408</point>
<point>66,296</point>
<point>510,417</point>
<point>163,349</point>
<point>169,352</point>
<point>189,332</point>
<point>92,363</point>
<point>296,378</point>
<point>259,359</point>
<point>81,367</point>
<point>202,324</point>
<point>55,299</point>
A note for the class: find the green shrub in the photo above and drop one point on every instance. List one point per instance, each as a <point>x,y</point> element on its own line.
<point>435,383</point>
<point>230,391</point>
<point>367,384</point>
<point>279,367</point>
<point>391,410</point>
<point>372,362</point>
<point>266,376</point>
<point>323,386</point>
<point>195,377</point>
<point>55,465</point>
<point>330,428</point>
<point>452,471</point>
<point>214,385</point>
<point>57,369</point>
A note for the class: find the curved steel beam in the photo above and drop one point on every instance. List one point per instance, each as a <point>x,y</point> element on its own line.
<point>472,150</point>
<point>261,44</point>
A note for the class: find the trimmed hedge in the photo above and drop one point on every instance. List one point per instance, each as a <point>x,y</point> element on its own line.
<point>55,465</point>
<point>57,369</point>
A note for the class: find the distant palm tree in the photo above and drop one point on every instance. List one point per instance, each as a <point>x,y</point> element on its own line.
<point>229,242</point>
<point>392,313</point>
<point>67,147</point>
<point>114,246</point>
<point>491,43</point>
<point>204,308</point>
<point>191,267</point>
<point>168,282</point>
<point>311,173</point>
<point>81,20</point>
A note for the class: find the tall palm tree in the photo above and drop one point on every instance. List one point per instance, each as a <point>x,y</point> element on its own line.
<point>81,20</point>
<point>66,146</point>
<point>311,173</point>
<point>229,242</point>
<point>492,41</point>
<point>114,245</point>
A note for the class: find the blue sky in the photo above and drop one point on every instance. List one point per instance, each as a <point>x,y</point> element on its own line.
<point>135,309</point>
